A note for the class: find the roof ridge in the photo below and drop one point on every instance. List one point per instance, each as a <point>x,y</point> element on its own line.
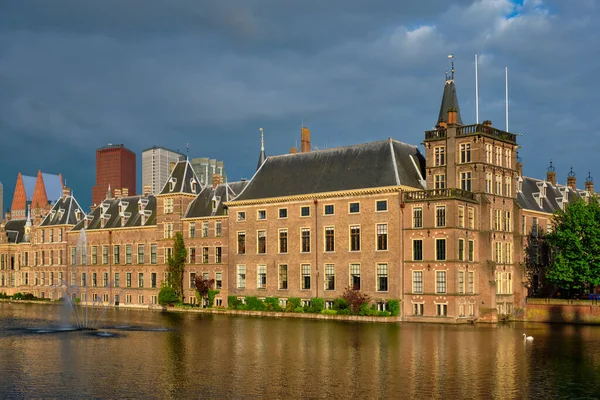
<point>395,165</point>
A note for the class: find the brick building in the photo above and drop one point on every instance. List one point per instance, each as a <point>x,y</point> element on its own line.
<point>115,167</point>
<point>41,192</point>
<point>445,232</point>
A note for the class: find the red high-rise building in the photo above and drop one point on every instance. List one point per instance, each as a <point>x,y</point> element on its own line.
<point>115,166</point>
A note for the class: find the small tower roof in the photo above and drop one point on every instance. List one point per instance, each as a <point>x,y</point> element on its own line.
<point>449,98</point>
<point>262,156</point>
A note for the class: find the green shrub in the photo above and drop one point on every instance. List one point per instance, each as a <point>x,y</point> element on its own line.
<point>366,310</point>
<point>293,303</point>
<point>29,296</point>
<point>18,296</point>
<point>340,304</point>
<point>299,309</point>
<point>344,311</point>
<point>272,304</point>
<point>317,305</point>
<point>4,296</point>
<point>255,304</point>
<point>329,312</point>
<point>167,296</point>
<point>233,302</point>
<point>394,307</point>
<point>384,313</point>
<point>211,297</point>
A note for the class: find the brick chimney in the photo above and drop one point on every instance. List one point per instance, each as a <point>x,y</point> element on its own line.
<point>125,192</point>
<point>117,193</point>
<point>147,190</point>
<point>452,116</point>
<point>305,137</point>
<point>551,174</point>
<point>572,180</point>
<point>293,150</point>
<point>589,183</point>
<point>66,192</point>
<point>217,180</point>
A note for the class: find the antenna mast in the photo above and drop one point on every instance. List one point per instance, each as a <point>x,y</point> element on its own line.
<point>506,100</point>
<point>476,93</point>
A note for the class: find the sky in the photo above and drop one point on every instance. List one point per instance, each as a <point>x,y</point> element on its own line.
<point>76,75</point>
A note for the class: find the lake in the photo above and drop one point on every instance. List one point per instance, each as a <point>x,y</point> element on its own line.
<point>188,355</point>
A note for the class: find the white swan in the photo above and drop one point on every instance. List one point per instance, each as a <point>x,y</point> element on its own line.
<point>525,337</point>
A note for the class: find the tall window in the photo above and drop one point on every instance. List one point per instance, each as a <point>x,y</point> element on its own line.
<point>218,280</point>
<point>128,279</point>
<point>507,186</point>
<point>192,230</point>
<point>488,153</point>
<point>355,276</point>
<point>465,181</point>
<point>283,240</point>
<point>116,254</point>
<point>153,279</point>
<point>283,277</point>
<point>168,231</point>
<point>305,276</point>
<point>218,228</point>
<point>461,249</point>
<point>355,238</point>
<point>465,152</point>
<point>73,256</point>
<point>153,253</point>
<point>241,242</point>
<point>488,182</point>
<point>94,255</point>
<point>127,254</point>
<point>168,206</point>
<point>382,277</point>
<point>140,279</point>
<point>417,217</point>
<point>261,277</point>
<point>205,255</point>
<point>192,280</point>
<point>218,254</point>
<point>439,181</point>
<point>417,281</point>
<point>205,229</point>
<point>329,277</point>
<point>508,252</point>
<point>305,240</point>
<point>417,249</point>
<point>241,276</point>
<point>461,282</point>
<point>140,257</point>
<point>471,250</point>
<point>440,249</point>
<point>440,281</point>
<point>440,216</point>
<point>471,282</point>
<point>498,155</point>
<point>461,216</point>
<point>507,221</point>
<point>498,185</point>
<point>507,158</point>
<point>471,216</point>
<point>192,255</point>
<point>329,238</point>
<point>498,252</point>
<point>117,279</point>
<point>439,155</point>
<point>382,237</point>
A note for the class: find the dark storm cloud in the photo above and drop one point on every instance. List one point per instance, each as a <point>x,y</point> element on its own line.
<point>75,75</point>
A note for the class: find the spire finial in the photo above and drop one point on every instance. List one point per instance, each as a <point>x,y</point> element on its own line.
<point>571,173</point>
<point>551,167</point>
<point>451,56</point>
<point>589,178</point>
<point>262,140</point>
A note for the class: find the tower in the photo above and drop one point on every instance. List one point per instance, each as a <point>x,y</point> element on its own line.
<point>261,157</point>
<point>115,165</point>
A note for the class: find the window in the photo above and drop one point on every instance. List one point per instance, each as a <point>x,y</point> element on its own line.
<point>141,280</point>
<point>329,238</point>
<point>471,250</point>
<point>283,213</point>
<point>440,281</point>
<point>508,253</point>
<point>471,216</point>
<point>355,276</point>
<point>283,277</point>
<point>417,217</point>
<point>440,216</point>
<point>382,242</point>
<point>168,206</point>
<point>168,231</point>
<point>417,281</point>
<point>104,254</point>
<point>382,277</point>
<point>205,255</point>
<point>509,285</point>
<point>261,277</point>
<point>507,158</point>
<point>498,185</point>
<point>218,254</point>
<point>305,276</point>
<point>140,256</point>
<point>205,229</point>
<point>117,280</point>
<point>43,236</point>
<point>497,220</point>
<point>241,276</point>
<point>381,205</point>
<point>439,181</point>
<point>355,238</point>
<point>461,249</point>
<point>461,216</point>
<point>440,249</point>
<point>305,211</point>
<point>241,243</point>
<point>498,252</point>
<point>116,254</point>
<point>128,278</point>
<point>153,279</point>
<point>83,279</point>
<point>241,216</point>
<point>465,153</point>
<point>418,308</point>
<point>51,235</point>
<point>192,230</point>
<point>73,256</point>
<point>507,186</point>
<point>261,214</point>
<point>488,153</point>
<point>465,181</point>
<point>94,256</point>
<point>488,182</point>
<point>417,250</point>
<point>283,240</point>
<point>218,280</point>
<point>218,228</point>
<point>507,221</point>
<point>498,155</point>
<point>354,208</point>
<point>127,254</point>
<point>305,240</point>
<point>60,235</point>
<point>329,277</point>
<point>461,282</point>
<point>153,253</point>
<point>328,209</point>
<point>441,310</point>
<point>262,242</point>
<point>439,156</point>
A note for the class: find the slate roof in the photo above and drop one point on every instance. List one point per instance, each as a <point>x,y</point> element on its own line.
<point>64,212</point>
<point>531,197</point>
<point>15,229</point>
<point>449,100</point>
<point>112,211</point>
<point>202,206</point>
<point>181,180</point>
<point>368,165</point>
<point>29,183</point>
<point>53,186</point>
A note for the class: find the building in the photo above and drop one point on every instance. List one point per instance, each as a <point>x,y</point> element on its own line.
<point>157,164</point>
<point>447,231</point>
<point>40,192</point>
<point>205,168</point>
<point>115,168</point>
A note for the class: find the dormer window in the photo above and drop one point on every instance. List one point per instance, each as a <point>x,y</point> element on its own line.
<point>193,184</point>
<point>520,185</point>
<point>123,206</point>
<point>124,218</point>
<point>142,204</point>
<point>104,221</point>
<point>172,183</point>
<point>145,216</point>
<point>78,215</point>
<point>88,219</point>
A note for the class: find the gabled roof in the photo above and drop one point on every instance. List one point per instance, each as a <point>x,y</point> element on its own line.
<point>112,212</point>
<point>368,165</point>
<point>182,180</point>
<point>532,197</point>
<point>449,100</point>
<point>203,206</point>
<point>15,229</point>
<point>64,212</point>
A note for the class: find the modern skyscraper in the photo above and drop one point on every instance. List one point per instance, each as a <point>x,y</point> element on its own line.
<point>115,166</point>
<point>205,168</point>
<point>156,167</point>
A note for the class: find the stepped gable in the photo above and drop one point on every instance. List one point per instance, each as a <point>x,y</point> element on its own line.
<point>15,230</point>
<point>369,165</point>
<point>532,196</point>
<point>203,206</point>
<point>66,211</point>
<point>182,180</point>
<point>134,211</point>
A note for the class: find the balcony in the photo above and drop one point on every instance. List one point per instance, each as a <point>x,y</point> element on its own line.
<point>435,134</point>
<point>438,194</point>
<point>487,131</point>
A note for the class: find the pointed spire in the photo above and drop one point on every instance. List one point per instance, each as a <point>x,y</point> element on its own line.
<point>449,98</point>
<point>28,223</point>
<point>108,193</point>
<point>262,157</point>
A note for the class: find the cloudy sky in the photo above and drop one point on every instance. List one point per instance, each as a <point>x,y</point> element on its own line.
<point>76,75</point>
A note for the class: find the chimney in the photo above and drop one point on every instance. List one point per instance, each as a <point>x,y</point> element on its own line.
<point>452,116</point>
<point>66,192</point>
<point>293,150</point>
<point>125,192</point>
<point>487,122</point>
<point>551,174</point>
<point>589,183</point>
<point>117,193</point>
<point>217,180</point>
<point>441,125</point>
<point>572,180</point>
<point>147,190</point>
<point>305,137</point>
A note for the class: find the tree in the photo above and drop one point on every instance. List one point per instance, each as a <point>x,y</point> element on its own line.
<point>176,263</point>
<point>204,286</point>
<point>355,299</point>
<point>537,264</point>
<point>575,246</point>
<point>167,295</point>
